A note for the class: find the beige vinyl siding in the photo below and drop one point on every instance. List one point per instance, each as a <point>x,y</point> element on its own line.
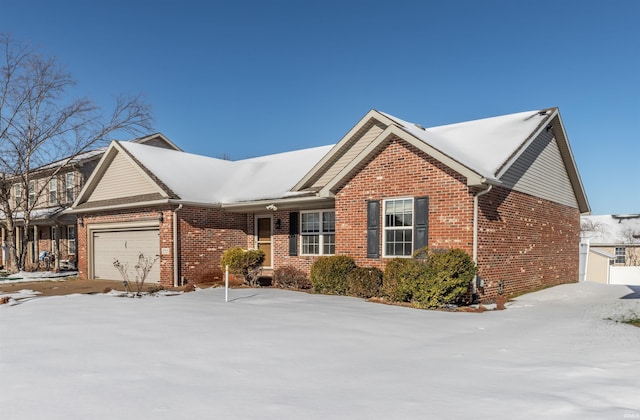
<point>540,172</point>
<point>122,179</point>
<point>598,268</point>
<point>357,145</point>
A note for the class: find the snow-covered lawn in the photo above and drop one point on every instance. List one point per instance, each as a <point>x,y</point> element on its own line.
<point>275,354</point>
<point>24,276</point>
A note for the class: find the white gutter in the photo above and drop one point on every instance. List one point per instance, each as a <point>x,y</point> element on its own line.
<point>475,234</point>
<point>175,245</point>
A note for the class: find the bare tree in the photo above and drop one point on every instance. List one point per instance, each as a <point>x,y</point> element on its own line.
<point>39,125</point>
<point>631,240</point>
<point>589,227</point>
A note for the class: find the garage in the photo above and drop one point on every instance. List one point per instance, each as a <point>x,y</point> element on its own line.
<point>125,246</point>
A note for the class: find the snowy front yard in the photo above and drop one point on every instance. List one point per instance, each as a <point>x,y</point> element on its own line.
<point>274,354</point>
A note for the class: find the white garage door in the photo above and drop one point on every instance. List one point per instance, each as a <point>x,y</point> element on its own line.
<point>125,246</point>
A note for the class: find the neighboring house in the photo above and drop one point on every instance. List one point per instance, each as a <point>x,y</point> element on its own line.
<point>505,189</point>
<point>613,242</point>
<point>52,230</point>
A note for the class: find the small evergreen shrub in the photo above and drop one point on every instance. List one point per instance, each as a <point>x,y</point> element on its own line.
<point>429,279</point>
<point>399,275</point>
<point>290,277</point>
<point>446,280</point>
<point>246,263</point>
<point>364,282</point>
<point>329,274</point>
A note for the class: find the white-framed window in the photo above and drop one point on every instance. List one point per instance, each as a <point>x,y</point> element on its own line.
<point>32,193</point>
<point>69,186</point>
<point>318,232</point>
<point>53,190</point>
<point>17,194</point>
<point>621,255</point>
<point>398,227</point>
<point>71,240</point>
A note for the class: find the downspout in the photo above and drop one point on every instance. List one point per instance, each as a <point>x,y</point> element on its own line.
<point>175,245</point>
<point>475,237</point>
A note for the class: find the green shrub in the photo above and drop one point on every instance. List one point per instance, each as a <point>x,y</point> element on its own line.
<point>446,280</point>
<point>429,279</point>
<point>247,263</point>
<point>329,274</point>
<point>398,277</point>
<point>364,282</point>
<point>291,278</point>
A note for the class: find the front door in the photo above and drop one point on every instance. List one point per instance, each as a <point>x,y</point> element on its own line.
<point>263,239</point>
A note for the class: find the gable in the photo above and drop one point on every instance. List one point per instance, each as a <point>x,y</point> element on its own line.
<point>357,144</point>
<point>540,171</point>
<point>122,179</point>
<point>157,140</point>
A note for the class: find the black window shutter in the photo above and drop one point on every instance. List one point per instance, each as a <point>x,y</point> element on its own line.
<point>373,229</point>
<point>293,233</point>
<point>421,223</point>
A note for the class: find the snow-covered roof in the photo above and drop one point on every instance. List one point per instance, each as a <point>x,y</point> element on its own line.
<point>76,159</point>
<point>202,179</point>
<point>483,145</point>
<point>37,214</point>
<point>611,229</point>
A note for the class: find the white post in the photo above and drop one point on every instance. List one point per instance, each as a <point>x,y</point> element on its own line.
<point>226,283</point>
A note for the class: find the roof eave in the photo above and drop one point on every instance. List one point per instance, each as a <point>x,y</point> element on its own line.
<point>293,203</point>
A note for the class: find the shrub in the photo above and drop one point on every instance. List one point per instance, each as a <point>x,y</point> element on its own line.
<point>429,280</point>
<point>246,263</point>
<point>399,275</point>
<point>364,282</point>
<point>446,280</point>
<point>291,278</point>
<point>329,274</point>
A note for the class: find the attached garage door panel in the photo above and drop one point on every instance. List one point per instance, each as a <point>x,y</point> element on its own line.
<point>125,246</point>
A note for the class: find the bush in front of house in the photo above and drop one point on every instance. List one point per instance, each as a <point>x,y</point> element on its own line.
<point>438,279</point>
<point>246,263</point>
<point>364,282</point>
<point>290,277</point>
<point>399,278</point>
<point>329,274</point>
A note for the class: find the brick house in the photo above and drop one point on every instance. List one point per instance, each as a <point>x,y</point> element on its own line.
<point>52,229</point>
<point>504,189</point>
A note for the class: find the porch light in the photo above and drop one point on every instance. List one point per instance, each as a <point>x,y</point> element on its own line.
<point>272,207</point>
<point>161,217</point>
<point>81,221</point>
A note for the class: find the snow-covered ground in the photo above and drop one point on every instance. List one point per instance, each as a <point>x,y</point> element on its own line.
<point>275,354</point>
<point>25,276</point>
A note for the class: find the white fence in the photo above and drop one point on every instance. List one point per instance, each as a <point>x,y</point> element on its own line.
<point>624,275</point>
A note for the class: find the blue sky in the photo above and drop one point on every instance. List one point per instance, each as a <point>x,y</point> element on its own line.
<point>249,78</point>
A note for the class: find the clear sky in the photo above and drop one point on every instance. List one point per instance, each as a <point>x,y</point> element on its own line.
<point>248,78</point>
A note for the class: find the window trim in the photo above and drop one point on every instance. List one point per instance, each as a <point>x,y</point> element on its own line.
<point>53,192</point>
<point>69,186</point>
<point>385,228</point>
<point>17,194</point>
<point>321,233</point>
<point>621,257</point>
<point>31,199</point>
<point>70,241</point>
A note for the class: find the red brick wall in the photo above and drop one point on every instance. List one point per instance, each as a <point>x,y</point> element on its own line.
<point>403,171</point>
<point>525,243</point>
<point>205,234</point>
